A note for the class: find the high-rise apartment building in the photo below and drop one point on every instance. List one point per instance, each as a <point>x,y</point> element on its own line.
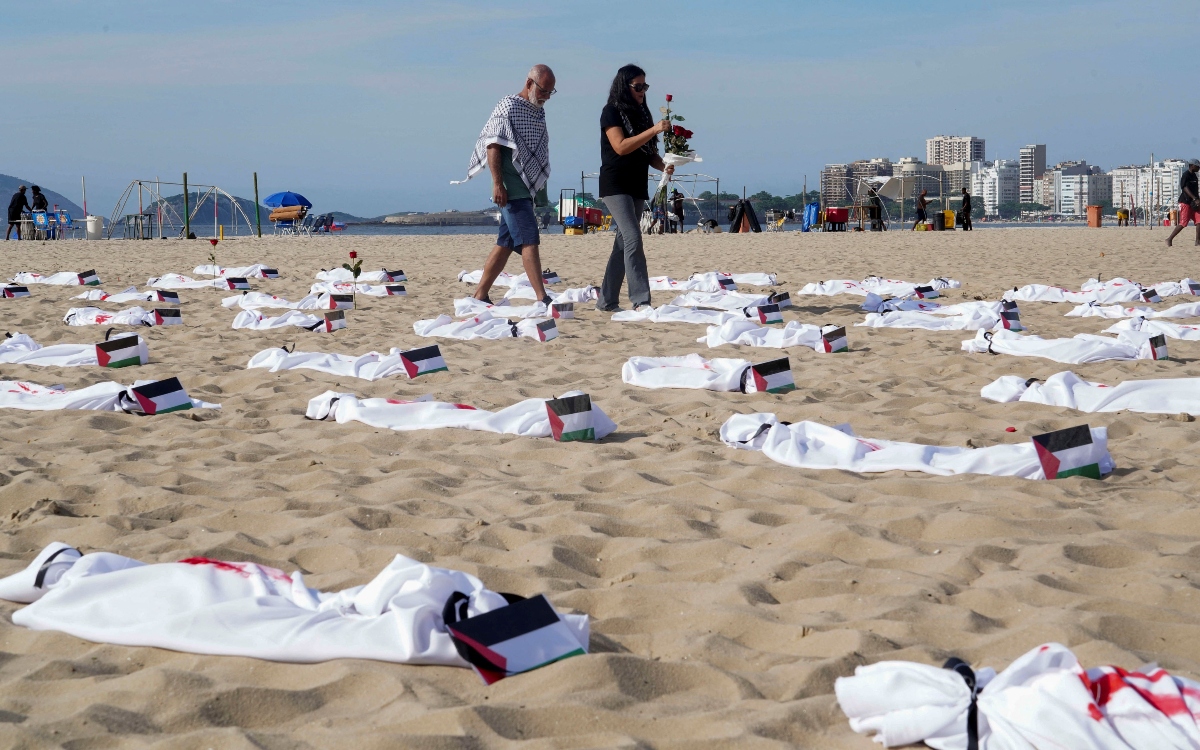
<point>947,149</point>
<point>996,184</point>
<point>835,185</point>
<point>1033,167</point>
<point>919,175</point>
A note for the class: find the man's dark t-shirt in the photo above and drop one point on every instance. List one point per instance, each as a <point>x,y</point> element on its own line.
<point>966,202</point>
<point>1188,181</point>
<point>16,205</point>
<point>621,175</point>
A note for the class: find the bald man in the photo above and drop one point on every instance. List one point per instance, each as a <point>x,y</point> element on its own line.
<point>515,147</point>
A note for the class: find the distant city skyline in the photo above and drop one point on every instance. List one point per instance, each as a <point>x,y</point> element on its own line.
<point>373,108</point>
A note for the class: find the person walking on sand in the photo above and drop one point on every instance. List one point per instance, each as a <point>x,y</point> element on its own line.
<point>18,204</point>
<point>966,210</point>
<point>922,202</point>
<point>515,147</point>
<point>1189,201</point>
<point>628,148</point>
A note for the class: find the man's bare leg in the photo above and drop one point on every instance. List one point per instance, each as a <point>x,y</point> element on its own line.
<point>495,263</point>
<point>1175,232</point>
<point>1198,233</point>
<point>532,260</point>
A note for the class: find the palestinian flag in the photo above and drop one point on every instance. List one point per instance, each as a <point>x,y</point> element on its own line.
<point>1158,347</point>
<point>525,635</point>
<point>162,396</point>
<point>1194,288</point>
<point>571,418</point>
<point>547,330</point>
<point>123,351</point>
<point>335,320</point>
<point>550,277</point>
<point>765,313</point>
<point>1150,295</point>
<point>1010,316</point>
<point>269,273</point>
<point>235,282</point>
<point>395,276</point>
<point>395,290</point>
<point>1068,453</point>
<point>834,339</point>
<point>171,298</point>
<point>89,278</point>
<point>783,299</point>
<point>13,291</point>
<point>769,377</point>
<point>167,316</point>
<point>341,302</point>
<point>727,283</point>
<point>562,310</point>
<point>926,292</point>
<point>423,361</point>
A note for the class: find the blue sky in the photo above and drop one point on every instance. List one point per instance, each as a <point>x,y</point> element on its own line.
<point>374,107</point>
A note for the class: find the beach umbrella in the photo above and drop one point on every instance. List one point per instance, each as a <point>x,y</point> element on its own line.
<point>286,198</point>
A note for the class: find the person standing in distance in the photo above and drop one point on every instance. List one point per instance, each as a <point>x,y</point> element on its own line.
<point>18,204</point>
<point>966,210</point>
<point>922,202</point>
<point>1189,201</point>
<point>628,148</point>
<point>515,147</point>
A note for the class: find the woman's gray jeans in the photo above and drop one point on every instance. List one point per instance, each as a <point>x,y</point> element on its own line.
<point>628,259</point>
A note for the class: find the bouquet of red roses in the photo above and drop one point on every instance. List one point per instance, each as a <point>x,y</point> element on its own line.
<point>676,140</point>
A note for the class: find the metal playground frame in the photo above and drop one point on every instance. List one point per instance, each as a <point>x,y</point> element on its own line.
<point>151,203</point>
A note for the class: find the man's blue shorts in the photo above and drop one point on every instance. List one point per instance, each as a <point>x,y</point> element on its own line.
<point>518,225</point>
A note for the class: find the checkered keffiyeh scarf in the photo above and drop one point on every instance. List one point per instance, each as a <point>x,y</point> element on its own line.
<point>516,124</point>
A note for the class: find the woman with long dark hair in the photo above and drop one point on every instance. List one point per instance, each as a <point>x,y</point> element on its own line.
<point>628,148</point>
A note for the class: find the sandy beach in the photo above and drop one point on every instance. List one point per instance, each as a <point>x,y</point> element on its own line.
<point>726,592</point>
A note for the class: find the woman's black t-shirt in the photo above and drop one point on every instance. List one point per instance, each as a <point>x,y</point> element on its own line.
<point>621,175</point>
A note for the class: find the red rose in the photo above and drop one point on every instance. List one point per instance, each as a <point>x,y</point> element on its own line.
<point>353,255</point>
<point>668,97</point>
<point>677,130</point>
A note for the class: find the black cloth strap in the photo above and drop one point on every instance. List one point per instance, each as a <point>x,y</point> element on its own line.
<point>41,574</point>
<point>961,668</point>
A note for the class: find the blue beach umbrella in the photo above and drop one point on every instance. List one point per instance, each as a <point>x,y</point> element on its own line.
<point>286,198</point>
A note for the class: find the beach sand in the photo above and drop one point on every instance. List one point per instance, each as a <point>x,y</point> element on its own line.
<point>727,592</point>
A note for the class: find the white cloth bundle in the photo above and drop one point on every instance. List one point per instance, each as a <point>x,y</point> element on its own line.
<point>257,300</point>
<point>1154,328</point>
<point>876,304</point>
<point>506,279</point>
<point>749,333</point>
<point>179,281</point>
<point>1165,396</point>
<point>369,366</point>
<point>468,306</point>
<point>938,320</point>
<point>1092,310</point>
<point>711,281</point>
<point>20,394</point>
<point>729,301</point>
<point>690,371</point>
<point>62,278</point>
<point>1044,699</point>
<point>1082,348</point>
<point>812,445</point>
<point>673,314</point>
<point>131,294</point>
<point>254,271</point>
<point>482,326</point>
<point>345,287</point>
<point>256,321</point>
<point>20,349</point>
<point>243,609</point>
<point>94,316</point>
<point>526,418</point>
<point>1113,291</point>
<point>342,274</point>
<point>574,294</point>
<point>876,285</point>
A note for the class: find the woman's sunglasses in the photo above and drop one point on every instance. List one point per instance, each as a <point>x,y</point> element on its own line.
<point>640,87</point>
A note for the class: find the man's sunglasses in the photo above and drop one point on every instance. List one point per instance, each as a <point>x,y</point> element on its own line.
<point>641,88</point>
